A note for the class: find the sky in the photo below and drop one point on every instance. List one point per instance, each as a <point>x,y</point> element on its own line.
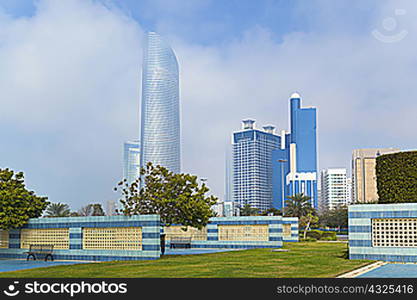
<point>70,81</point>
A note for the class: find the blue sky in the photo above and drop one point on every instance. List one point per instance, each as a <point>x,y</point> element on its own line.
<point>70,81</point>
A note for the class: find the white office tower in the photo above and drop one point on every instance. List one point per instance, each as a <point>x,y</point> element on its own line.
<point>334,187</point>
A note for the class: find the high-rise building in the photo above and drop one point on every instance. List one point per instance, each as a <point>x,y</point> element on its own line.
<point>334,187</point>
<point>322,206</point>
<point>218,209</point>
<point>111,208</point>
<point>230,209</point>
<point>160,112</point>
<point>349,190</point>
<point>252,166</point>
<point>131,161</point>
<point>295,162</point>
<point>364,188</point>
<point>228,185</point>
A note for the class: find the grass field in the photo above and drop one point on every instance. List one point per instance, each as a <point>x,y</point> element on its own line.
<point>312,259</point>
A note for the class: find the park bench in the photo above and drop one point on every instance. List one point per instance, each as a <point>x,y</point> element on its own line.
<point>180,242</point>
<point>37,251</point>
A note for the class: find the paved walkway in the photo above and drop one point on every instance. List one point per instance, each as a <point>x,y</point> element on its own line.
<point>20,264</point>
<point>392,270</point>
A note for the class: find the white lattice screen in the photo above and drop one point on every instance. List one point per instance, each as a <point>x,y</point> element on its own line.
<point>59,237</point>
<point>243,232</point>
<point>112,238</point>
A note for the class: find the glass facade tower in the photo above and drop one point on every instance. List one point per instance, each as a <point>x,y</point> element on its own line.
<point>131,158</point>
<point>252,166</point>
<point>295,163</point>
<point>160,112</point>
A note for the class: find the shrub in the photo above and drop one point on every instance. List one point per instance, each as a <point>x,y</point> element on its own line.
<point>396,176</point>
<point>322,235</point>
<point>329,235</point>
<point>315,234</point>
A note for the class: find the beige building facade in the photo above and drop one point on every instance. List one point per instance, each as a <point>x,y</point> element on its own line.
<point>364,188</point>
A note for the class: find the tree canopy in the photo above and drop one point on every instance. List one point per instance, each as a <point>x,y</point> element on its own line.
<point>335,218</point>
<point>177,198</point>
<point>298,206</point>
<point>57,210</point>
<point>91,210</point>
<point>17,203</point>
<point>247,210</point>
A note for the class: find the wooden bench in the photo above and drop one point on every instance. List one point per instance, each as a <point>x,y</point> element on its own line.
<point>37,251</point>
<point>180,242</point>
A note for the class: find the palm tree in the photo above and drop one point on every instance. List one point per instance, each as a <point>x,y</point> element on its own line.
<point>297,206</point>
<point>57,210</point>
<point>272,212</point>
<point>247,210</point>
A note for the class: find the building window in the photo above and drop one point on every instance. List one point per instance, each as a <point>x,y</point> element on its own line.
<point>399,232</point>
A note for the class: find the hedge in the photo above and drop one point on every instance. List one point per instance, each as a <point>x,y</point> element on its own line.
<point>396,177</point>
<point>321,235</point>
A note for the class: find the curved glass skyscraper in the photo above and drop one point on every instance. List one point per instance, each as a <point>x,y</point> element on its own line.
<point>160,115</point>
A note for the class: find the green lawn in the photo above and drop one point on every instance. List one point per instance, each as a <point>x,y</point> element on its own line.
<point>312,259</point>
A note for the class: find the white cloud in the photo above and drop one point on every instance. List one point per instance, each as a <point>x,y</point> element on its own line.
<point>70,84</point>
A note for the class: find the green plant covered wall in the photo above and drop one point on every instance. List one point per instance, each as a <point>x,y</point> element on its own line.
<point>396,176</point>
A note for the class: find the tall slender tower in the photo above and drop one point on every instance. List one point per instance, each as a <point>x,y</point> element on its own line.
<point>295,164</point>
<point>160,113</point>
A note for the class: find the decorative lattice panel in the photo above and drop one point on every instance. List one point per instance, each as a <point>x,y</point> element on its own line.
<point>243,232</point>
<point>286,230</point>
<point>194,233</point>
<point>112,238</point>
<point>4,239</point>
<point>400,232</point>
<point>59,237</point>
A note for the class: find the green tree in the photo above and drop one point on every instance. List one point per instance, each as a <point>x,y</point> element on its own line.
<point>57,210</point>
<point>297,206</point>
<point>307,221</point>
<point>335,218</point>
<point>91,210</point>
<point>272,211</point>
<point>177,198</point>
<point>248,210</point>
<point>17,204</point>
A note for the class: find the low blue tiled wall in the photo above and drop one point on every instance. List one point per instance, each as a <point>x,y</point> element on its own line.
<point>360,232</point>
<point>274,233</point>
<point>293,221</point>
<point>150,226</point>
